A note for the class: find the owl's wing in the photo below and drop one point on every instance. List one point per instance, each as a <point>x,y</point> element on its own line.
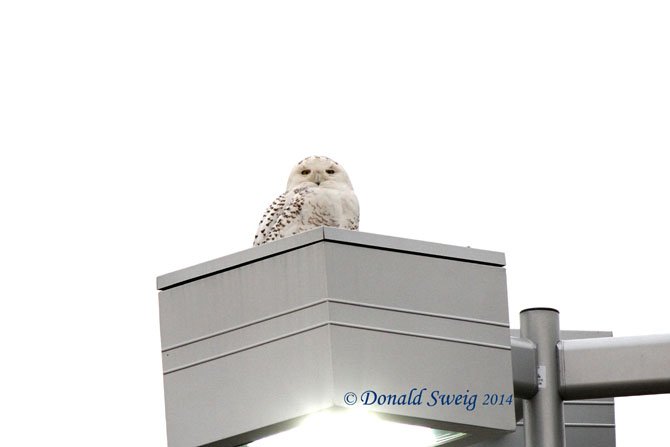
<point>269,220</point>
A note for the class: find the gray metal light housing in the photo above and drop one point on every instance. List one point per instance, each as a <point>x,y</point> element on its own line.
<point>256,341</point>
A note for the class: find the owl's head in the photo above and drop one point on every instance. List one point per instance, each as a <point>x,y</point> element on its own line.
<point>319,171</point>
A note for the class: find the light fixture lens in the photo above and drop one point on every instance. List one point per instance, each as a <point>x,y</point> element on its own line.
<point>356,429</point>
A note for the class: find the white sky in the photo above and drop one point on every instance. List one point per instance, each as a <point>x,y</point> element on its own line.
<point>142,137</point>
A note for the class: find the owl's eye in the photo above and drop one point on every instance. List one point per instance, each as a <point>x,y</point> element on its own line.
<point>305,172</point>
<point>330,171</point>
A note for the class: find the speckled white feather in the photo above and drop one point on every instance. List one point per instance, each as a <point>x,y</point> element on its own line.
<point>318,193</point>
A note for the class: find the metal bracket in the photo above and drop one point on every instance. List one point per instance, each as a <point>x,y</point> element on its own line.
<point>524,367</point>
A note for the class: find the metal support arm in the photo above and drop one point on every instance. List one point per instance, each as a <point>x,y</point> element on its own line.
<point>547,371</point>
<point>611,367</point>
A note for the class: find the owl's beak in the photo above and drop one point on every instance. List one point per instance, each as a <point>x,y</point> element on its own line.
<point>317,179</point>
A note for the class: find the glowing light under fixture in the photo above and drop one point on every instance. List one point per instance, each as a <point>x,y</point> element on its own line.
<point>356,429</point>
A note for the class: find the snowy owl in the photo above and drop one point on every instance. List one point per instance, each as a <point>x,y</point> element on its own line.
<point>318,193</point>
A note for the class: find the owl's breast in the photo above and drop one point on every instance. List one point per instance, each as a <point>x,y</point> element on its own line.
<point>330,207</point>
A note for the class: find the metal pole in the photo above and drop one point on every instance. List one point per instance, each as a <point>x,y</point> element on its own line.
<point>543,414</point>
